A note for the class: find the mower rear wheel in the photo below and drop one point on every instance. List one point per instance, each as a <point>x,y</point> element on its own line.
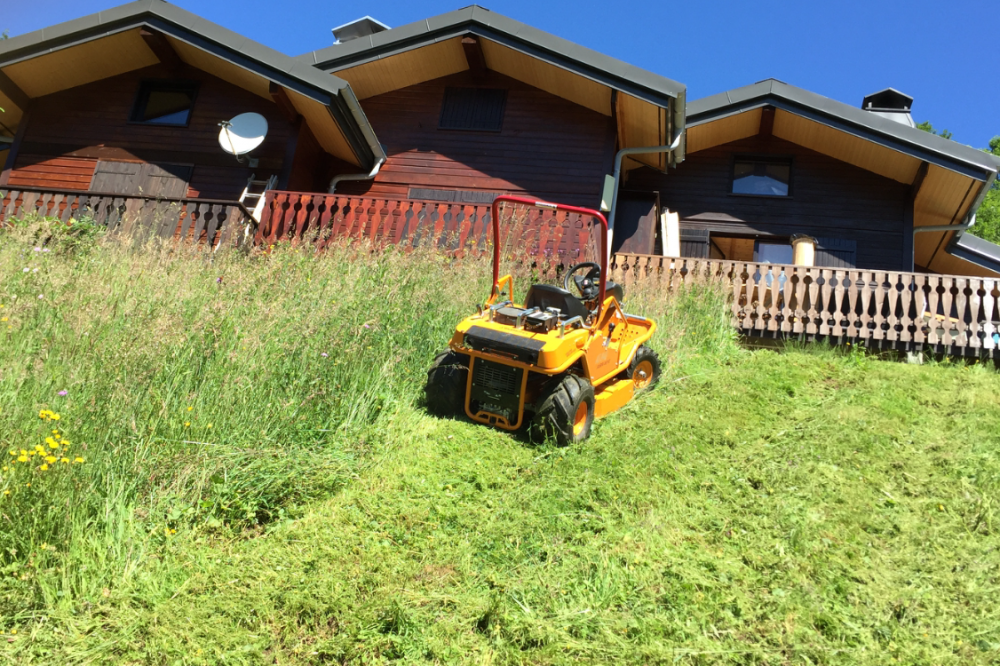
<point>565,412</point>
<point>446,383</point>
<point>644,370</point>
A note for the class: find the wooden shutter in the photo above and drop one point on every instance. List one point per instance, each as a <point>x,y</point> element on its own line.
<point>116,177</point>
<point>694,243</point>
<point>169,181</point>
<point>836,253</point>
<point>473,109</point>
<point>635,223</point>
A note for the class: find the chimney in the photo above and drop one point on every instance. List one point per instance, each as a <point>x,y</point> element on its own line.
<point>891,104</point>
<point>362,27</point>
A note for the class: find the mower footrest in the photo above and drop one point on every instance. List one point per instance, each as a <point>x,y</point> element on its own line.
<point>612,396</point>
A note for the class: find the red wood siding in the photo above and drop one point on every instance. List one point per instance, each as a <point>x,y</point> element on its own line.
<point>69,131</point>
<point>71,173</point>
<point>548,147</point>
<point>829,199</point>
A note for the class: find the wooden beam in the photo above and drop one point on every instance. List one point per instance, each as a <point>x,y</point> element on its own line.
<point>161,48</point>
<point>13,92</point>
<point>918,180</point>
<point>766,121</point>
<point>474,56</point>
<point>22,127</point>
<point>290,149</point>
<point>284,102</point>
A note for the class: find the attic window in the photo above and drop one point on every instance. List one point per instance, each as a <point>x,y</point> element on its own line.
<point>473,109</point>
<point>164,103</point>
<point>762,176</point>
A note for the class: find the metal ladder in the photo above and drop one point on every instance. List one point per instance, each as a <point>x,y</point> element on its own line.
<point>254,193</point>
<point>251,193</point>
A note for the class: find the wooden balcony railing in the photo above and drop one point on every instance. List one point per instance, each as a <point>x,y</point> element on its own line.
<point>947,314</point>
<point>206,221</point>
<point>317,218</point>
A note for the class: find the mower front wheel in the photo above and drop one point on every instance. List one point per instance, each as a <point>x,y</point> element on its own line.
<point>446,383</point>
<point>565,412</point>
<point>644,370</point>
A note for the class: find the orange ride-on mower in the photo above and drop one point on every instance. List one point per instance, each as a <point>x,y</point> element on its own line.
<point>552,364</point>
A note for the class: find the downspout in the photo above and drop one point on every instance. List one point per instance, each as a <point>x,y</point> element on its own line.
<point>370,138</point>
<point>618,169</point>
<point>959,229</point>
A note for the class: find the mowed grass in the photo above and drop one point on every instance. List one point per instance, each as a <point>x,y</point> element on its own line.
<point>804,507</point>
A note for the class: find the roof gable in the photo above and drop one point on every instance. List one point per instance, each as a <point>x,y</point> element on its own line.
<point>109,43</point>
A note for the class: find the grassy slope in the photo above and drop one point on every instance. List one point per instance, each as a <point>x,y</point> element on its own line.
<point>805,507</point>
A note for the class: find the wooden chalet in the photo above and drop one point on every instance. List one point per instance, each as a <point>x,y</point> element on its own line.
<point>405,135</point>
<point>114,110</point>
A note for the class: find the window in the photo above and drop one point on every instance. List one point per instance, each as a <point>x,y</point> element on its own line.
<point>473,109</point>
<point>769,252</point>
<point>762,176</point>
<point>164,103</point>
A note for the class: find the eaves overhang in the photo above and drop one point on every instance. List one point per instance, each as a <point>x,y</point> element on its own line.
<point>476,20</point>
<point>294,75</point>
<point>866,125</point>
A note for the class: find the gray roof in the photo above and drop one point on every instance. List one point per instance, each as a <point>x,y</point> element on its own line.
<point>274,66</point>
<point>853,120</point>
<point>976,250</point>
<point>477,20</point>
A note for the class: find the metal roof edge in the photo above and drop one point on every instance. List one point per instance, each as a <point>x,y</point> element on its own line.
<point>976,250</point>
<point>169,18</point>
<point>501,28</point>
<point>882,130</point>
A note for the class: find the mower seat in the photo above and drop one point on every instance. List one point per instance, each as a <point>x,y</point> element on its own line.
<point>614,289</point>
<point>549,296</point>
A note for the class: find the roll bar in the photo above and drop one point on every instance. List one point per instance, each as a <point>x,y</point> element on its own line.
<point>507,198</point>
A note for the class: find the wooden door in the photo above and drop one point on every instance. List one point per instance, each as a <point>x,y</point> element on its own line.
<point>168,181</point>
<point>635,223</point>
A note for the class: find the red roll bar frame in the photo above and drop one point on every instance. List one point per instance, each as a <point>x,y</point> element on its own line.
<point>495,213</point>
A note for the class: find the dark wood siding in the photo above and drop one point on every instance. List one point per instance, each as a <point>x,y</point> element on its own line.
<point>830,199</point>
<point>69,131</point>
<point>548,147</point>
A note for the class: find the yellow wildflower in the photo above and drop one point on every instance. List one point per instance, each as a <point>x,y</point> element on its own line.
<point>23,452</point>
<point>209,425</point>
<point>64,460</point>
<point>53,445</point>
<point>51,442</point>
<point>13,452</point>
<point>50,459</point>
<point>3,318</point>
<point>55,417</point>
<point>43,467</point>
<point>187,423</point>
<point>65,443</point>
<point>78,459</point>
<point>190,408</point>
<point>22,459</point>
<point>6,492</point>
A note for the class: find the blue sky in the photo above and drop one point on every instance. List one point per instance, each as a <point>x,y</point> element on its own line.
<point>942,54</point>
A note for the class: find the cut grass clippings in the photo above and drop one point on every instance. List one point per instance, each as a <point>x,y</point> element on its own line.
<point>807,507</point>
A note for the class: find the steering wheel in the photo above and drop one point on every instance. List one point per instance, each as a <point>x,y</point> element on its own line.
<point>589,285</point>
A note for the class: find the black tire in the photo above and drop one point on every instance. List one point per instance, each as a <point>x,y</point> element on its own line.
<point>642,355</point>
<point>557,408</point>
<point>446,383</point>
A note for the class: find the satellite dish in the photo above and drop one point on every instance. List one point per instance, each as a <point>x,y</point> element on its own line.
<point>243,133</point>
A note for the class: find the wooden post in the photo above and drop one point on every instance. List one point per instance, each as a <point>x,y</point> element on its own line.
<point>22,128</point>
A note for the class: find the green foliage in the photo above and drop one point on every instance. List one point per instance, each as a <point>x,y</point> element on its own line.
<point>927,127</point>
<point>262,485</point>
<point>988,217</point>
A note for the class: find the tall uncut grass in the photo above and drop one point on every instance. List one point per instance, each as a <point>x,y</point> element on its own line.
<point>220,391</point>
<point>261,485</point>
